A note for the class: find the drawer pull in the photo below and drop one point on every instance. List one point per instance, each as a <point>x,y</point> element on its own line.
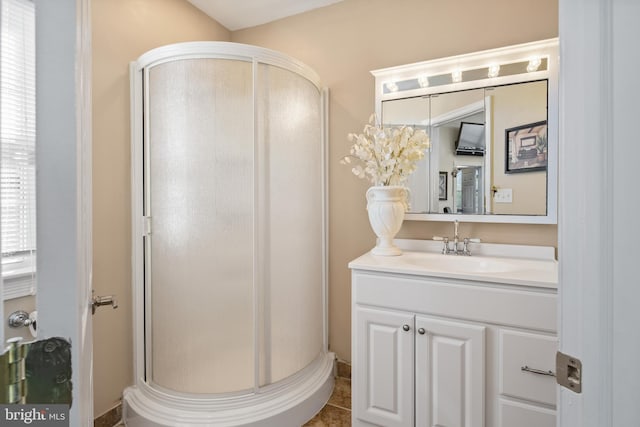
<point>538,371</point>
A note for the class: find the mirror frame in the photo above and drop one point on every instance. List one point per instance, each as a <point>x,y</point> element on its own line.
<point>387,78</point>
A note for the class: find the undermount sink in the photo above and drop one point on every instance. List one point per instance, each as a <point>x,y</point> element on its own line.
<point>462,264</point>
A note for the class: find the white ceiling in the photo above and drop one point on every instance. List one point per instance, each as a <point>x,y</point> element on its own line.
<point>238,14</point>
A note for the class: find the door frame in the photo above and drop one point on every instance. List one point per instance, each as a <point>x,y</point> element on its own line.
<point>63,184</point>
<point>598,227</point>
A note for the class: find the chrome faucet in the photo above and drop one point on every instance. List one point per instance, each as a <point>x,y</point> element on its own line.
<point>454,249</point>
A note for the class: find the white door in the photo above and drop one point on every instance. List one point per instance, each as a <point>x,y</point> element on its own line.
<point>63,185</point>
<point>599,204</point>
<point>471,179</point>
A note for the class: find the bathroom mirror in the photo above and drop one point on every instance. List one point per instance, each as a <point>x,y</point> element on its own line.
<point>492,119</point>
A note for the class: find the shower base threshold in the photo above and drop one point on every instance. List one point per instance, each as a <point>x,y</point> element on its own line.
<point>290,402</point>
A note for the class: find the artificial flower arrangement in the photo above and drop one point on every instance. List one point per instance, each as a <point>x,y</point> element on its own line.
<point>386,156</point>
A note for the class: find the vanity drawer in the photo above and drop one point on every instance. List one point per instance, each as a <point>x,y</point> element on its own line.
<point>519,349</point>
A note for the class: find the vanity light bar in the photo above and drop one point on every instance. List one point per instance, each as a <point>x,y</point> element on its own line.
<point>457,76</point>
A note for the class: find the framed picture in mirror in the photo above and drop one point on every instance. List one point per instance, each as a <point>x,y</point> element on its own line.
<point>442,186</point>
<point>526,148</point>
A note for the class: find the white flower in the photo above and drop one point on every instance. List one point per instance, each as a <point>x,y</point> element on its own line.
<point>386,156</point>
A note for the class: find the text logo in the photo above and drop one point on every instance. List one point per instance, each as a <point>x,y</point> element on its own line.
<point>34,415</point>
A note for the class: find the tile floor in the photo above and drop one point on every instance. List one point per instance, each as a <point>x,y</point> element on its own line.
<point>337,411</point>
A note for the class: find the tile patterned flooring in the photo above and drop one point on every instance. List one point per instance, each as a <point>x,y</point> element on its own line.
<point>110,418</point>
<point>337,411</point>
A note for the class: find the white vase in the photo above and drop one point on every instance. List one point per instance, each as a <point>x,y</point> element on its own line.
<point>386,206</point>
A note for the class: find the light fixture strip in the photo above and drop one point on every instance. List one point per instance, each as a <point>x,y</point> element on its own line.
<point>493,70</point>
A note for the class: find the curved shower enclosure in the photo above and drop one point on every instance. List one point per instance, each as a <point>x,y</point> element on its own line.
<point>229,226</point>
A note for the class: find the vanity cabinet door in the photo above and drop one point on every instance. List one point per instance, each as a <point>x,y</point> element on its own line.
<point>450,373</point>
<point>383,368</point>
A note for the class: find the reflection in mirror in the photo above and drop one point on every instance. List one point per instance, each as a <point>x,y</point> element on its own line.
<point>455,123</point>
<point>457,135</point>
<point>413,112</point>
<point>470,143</point>
<point>518,107</point>
<point>492,118</point>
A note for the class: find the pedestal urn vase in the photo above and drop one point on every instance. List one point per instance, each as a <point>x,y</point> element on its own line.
<point>386,206</point>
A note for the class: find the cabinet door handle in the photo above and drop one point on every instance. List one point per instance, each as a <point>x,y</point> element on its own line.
<point>538,371</point>
<point>406,328</point>
<point>421,331</point>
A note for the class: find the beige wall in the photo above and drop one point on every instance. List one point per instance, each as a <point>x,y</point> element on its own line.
<point>122,31</point>
<point>343,42</point>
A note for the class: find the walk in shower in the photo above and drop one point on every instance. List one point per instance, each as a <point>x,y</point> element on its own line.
<point>229,246</point>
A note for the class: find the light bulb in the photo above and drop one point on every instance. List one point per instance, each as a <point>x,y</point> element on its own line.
<point>534,63</point>
<point>423,81</point>
<point>494,70</point>
<point>456,76</point>
<point>391,86</point>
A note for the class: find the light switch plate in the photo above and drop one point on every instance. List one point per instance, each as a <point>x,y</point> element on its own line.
<point>503,195</point>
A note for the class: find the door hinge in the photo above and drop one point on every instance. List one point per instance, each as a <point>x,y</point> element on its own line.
<point>14,377</point>
<point>146,227</point>
<point>569,372</point>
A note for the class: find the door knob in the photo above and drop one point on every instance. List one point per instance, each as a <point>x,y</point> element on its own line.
<point>20,318</point>
<point>99,301</point>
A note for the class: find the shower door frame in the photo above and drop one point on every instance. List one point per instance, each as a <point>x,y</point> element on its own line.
<point>141,228</point>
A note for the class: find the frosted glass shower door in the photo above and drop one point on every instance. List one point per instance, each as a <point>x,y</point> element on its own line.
<point>199,256</point>
<point>291,221</point>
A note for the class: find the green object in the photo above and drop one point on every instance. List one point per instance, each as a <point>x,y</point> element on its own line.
<point>541,143</point>
<point>42,374</point>
<point>48,371</point>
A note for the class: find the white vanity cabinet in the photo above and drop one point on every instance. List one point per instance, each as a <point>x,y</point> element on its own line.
<point>441,351</point>
<point>405,358</point>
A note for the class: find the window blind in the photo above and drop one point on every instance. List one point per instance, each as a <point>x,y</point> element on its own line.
<point>17,142</point>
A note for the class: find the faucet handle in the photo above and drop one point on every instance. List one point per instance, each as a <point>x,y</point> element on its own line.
<point>445,247</point>
<point>465,249</point>
<point>467,240</point>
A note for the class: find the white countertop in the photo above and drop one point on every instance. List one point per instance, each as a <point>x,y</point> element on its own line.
<point>527,266</point>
